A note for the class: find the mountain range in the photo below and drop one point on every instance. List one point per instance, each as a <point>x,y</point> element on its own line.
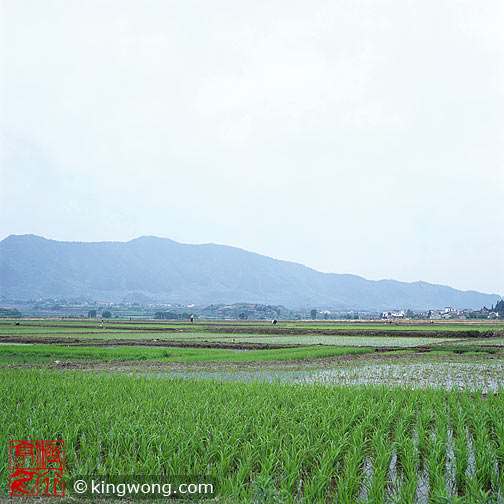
<point>160,270</point>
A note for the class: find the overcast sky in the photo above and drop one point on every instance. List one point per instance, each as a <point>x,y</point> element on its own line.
<point>361,137</point>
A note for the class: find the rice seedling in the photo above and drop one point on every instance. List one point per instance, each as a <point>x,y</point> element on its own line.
<point>263,442</point>
<point>39,354</point>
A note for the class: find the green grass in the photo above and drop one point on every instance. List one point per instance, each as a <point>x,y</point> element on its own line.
<point>101,334</point>
<point>20,354</point>
<point>263,443</point>
<point>458,349</point>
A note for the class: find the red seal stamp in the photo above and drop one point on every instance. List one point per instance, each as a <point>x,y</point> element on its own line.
<point>36,468</point>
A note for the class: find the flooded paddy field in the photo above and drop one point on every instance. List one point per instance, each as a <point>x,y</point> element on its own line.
<point>198,338</point>
<point>240,327</point>
<point>485,375</point>
<point>262,336</point>
<point>309,414</point>
<point>357,340</point>
<point>416,372</point>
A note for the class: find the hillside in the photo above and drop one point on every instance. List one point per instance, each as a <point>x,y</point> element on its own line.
<point>162,270</point>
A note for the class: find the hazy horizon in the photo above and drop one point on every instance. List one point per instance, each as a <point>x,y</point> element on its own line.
<point>353,137</point>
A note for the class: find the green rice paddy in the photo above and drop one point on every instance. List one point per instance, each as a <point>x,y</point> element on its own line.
<point>347,418</point>
<point>266,443</point>
<point>37,354</point>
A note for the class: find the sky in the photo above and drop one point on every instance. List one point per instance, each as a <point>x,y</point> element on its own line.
<point>362,137</point>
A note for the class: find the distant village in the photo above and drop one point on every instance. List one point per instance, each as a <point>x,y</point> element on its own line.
<point>447,313</point>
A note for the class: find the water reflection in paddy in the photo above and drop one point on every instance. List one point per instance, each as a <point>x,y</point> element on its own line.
<point>478,375</point>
